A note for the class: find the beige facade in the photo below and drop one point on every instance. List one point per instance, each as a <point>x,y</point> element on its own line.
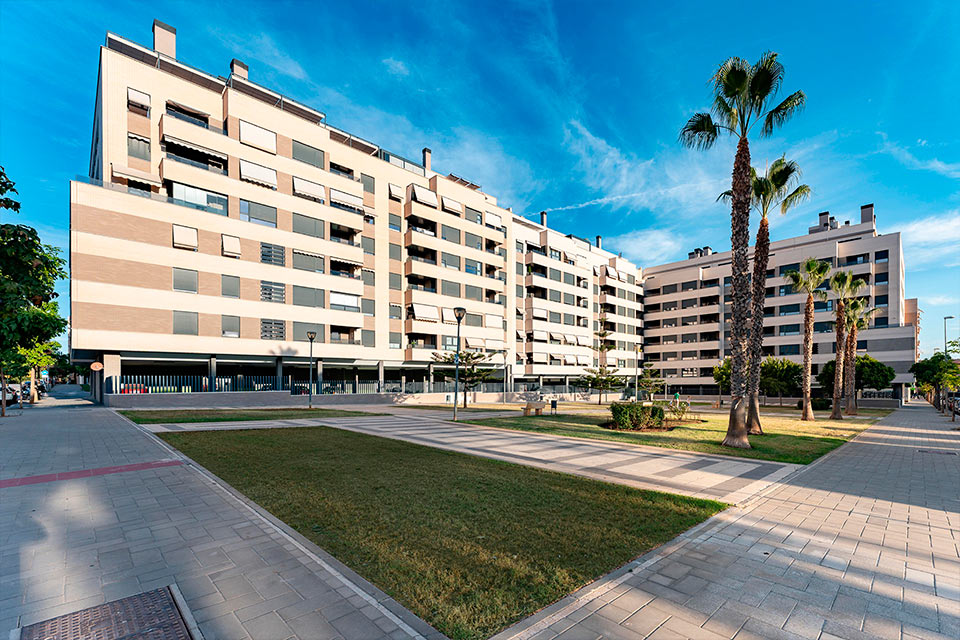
<point>688,307</point>
<point>222,221</point>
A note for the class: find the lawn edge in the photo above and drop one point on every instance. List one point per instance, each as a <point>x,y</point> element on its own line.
<point>380,597</point>
<point>354,414</point>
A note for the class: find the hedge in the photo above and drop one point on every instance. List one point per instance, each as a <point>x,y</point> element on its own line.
<point>631,416</point>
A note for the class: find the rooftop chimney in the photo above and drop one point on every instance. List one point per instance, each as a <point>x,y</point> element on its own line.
<point>707,251</point>
<point>599,242</point>
<point>164,39</point>
<point>824,218</point>
<point>866,213</point>
<point>426,158</point>
<point>239,69</point>
<point>543,218</point>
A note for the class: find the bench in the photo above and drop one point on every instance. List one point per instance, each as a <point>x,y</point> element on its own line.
<point>536,407</point>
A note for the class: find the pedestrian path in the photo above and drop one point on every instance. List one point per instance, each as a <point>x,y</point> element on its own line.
<point>93,509</point>
<point>725,478</point>
<point>864,543</point>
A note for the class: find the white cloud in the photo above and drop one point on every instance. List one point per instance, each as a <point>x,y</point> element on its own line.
<point>941,300</point>
<point>646,247</point>
<point>396,67</point>
<point>908,159</point>
<point>263,49</point>
<point>933,241</point>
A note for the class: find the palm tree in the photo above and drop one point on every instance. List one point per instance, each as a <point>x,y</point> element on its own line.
<point>808,280</point>
<point>777,187</point>
<point>856,317</point>
<point>844,286</point>
<point>743,96</point>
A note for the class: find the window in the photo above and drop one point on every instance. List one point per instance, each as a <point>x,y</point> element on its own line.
<point>448,343</point>
<point>789,309</point>
<point>519,291</point>
<point>307,261</point>
<point>555,275</point>
<point>184,237</point>
<point>569,298</point>
<point>396,281</point>
<point>449,288</point>
<point>822,327</point>
<point>554,295</point>
<point>882,278</point>
<point>185,323</point>
<point>519,246</point>
<point>569,319</point>
<point>689,303</point>
<point>272,254</point>
<point>473,215</point>
<point>368,338</point>
<point>272,291</point>
<point>789,350</point>
<point>882,256</point>
<point>272,329</point>
<point>190,196</point>
<point>396,253</point>
<point>882,321</point>
<point>300,330</point>
<point>138,146</point>
<point>690,285</point>
<point>450,261</point>
<point>307,226</point>
<point>230,326</point>
<point>368,244</point>
<point>472,240</point>
<point>789,267</point>
<point>367,306</point>
<point>786,290</point>
<point>230,246</point>
<point>258,213</point>
<point>344,302</point>
<point>473,320</point>
<point>669,288</point>
<point>569,278</point>
<point>881,301</point>
<point>138,102</point>
<point>308,154</point>
<point>307,296</point>
<point>230,286</point>
<point>368,276</point>
<point>555,317</point>
<point>823,305</point>
<point>396,340</point>
<point>184,280</point>
<point>368,183</point>
<point>790,330</point>
<point>394,222</point>
<point>258,137</point>
<point>471,292</point>
<point>450,234</point>
<point>396,312</point>
<point>471,266</point>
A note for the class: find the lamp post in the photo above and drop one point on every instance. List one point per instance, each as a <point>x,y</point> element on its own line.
<point>459,313</point>
<point>945,318</point>
<point>311,336</point>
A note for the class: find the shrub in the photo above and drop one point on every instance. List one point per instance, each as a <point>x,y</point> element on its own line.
<point>630,416</point>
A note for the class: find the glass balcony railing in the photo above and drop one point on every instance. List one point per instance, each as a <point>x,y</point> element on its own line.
<point>197,164</point>
<point>188,118</point>
<point>159,197</point>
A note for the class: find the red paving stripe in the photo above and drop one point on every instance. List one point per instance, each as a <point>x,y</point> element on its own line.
<point>85,473</point>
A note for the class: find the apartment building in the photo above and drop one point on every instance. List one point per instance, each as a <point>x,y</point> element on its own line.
<point>687,309</point>
<point>221,223</point>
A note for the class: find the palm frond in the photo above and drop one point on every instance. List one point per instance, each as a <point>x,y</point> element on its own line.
<point>790,106</point>
<point>800,194</point>
<point>726,196</point>
<point>725,112</point>
<point>732,79</point>
<point>700,132</point>
<point>765,79</point>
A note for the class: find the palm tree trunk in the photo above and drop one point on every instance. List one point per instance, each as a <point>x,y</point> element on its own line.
<point>740,330</point>
<point>807,358</point>
<point>850,371</point>
<point>838,363</point>
<point>761,254</point>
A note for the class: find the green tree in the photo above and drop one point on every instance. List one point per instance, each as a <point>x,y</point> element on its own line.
<point>721,375</point>
<point>779,376</point>
<point>649,382</point>
<point>808,280</point>
<point>472,373</point>
<point>856,316</point>
<point>778,187</point>
<point>602,378</point>
<point>744,97</point>
<point>937,371</point>
<point>869,373</point>
<point>844,287</point>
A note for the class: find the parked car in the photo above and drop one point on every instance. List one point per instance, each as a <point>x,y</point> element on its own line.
<point>11,395</point>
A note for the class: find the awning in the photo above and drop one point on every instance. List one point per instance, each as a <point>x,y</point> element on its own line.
<point>258,137</point>
<point>520,335</point>
<point>570,339</point>
<point>424,196</point>
<point>194,147</point>
<point>493,321</point>
<point>344,299</point>
<point>569,257</point>
<point>346,198</point>
<point>539,357</point>
<point>258,174</point>
<point>449,204</point>
<point>583,341</point>
<point>347,227</point>
<point>396,191</point>
<point>555,356</point>
<point>138,97</point>
<point>309,189</point>
<point>352,263</point>
<point>190,110</point>
<point>596,270</point>
<point>426,312</point>
<point>568,359</point>
<point>496,345</point>
<point>136,174</point>
<point>556,336</point>
<point>184,237</point>
<point>519,311</point>
<point>494,219</point>
<point>611,272</point>
<point>475,343</point>
<point>350,320</point>
<point>540,314</point>
<point>540,336</point>
<point>448,315</point>
<point>584,360</point>
<point>230,246</point>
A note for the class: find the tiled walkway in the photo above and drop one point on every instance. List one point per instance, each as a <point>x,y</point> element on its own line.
<point>77,539</point>
<point>863,544</point>
<point>722,478</point>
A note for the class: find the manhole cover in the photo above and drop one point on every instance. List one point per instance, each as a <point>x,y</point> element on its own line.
<point>152,615</point>
<point>940,451</point>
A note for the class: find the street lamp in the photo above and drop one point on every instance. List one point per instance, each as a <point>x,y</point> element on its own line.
<point>311,336</point>
<point>945,318</point>
<point>459,313</point>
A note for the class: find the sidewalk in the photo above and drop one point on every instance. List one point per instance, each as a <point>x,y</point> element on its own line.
<point>864,543</point>
<point>93,509</point>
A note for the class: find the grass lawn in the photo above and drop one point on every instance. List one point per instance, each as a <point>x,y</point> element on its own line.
<point>449,407</point>
<point>157,416</point>
<point>785,440</point>
<point>471,545</point>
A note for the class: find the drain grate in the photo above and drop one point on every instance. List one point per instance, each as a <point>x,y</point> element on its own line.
<point>940,451</point>
<point>152,615</point>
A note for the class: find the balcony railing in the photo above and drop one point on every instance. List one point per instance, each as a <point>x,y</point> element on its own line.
<point>159,197</point>
<point>197,164</point>
<point>187,118</point>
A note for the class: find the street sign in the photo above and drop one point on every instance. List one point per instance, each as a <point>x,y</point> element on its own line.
<point>44,373</point>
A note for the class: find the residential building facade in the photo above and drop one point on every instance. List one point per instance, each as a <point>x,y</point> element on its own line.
<point>222,223</point>
<point>687,313</point>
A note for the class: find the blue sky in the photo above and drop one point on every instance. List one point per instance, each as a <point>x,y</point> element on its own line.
<point>573,107</point>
